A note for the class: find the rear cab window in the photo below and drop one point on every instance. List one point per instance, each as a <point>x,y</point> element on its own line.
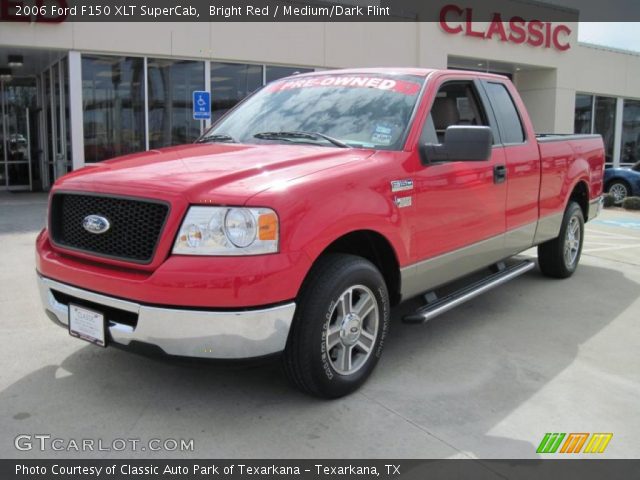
<point>509,121</point>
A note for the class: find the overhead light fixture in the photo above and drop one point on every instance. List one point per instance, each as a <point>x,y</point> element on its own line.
<point>480,64</point>
<point>5,74</point>
<point>16,60</point>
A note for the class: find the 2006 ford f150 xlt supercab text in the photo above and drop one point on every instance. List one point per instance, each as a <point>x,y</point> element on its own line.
<point>306,212</point>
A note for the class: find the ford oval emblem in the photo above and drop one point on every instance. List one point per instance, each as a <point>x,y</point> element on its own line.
<point>96,224</point>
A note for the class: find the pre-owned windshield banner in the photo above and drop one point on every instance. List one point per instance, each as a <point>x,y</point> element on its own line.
<point>352,81</point>
<point>53,11</point>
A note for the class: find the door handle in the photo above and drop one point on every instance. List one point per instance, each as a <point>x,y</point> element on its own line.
<point>499,174</point>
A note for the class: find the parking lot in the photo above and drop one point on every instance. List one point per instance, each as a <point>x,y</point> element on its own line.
<point>486,380</point>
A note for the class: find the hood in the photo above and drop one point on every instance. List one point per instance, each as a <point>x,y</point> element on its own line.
<point>204,172</point>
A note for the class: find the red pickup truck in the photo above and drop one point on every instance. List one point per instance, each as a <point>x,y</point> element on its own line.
<point>301,217</point>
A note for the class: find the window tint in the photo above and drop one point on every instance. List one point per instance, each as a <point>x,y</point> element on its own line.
<point>456,104</point>
<point>507,114</point>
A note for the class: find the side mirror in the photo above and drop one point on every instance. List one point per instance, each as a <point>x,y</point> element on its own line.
<point>461,144</point>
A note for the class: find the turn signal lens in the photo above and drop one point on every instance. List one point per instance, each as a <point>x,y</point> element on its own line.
<point>268,226</point>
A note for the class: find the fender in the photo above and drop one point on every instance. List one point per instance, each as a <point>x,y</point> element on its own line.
<point>321,208</point>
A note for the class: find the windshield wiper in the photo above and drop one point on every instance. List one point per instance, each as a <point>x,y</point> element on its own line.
<point>217,137</point>
<point>301,135</point>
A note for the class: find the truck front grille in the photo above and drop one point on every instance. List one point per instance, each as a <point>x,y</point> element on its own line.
<point>134,230</point>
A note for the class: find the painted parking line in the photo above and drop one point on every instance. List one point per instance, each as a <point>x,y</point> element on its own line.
<point>599,238</point>
<point>621,223</point>
<point>610,248</point>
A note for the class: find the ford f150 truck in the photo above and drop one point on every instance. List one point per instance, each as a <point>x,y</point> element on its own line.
<point>299,219</point>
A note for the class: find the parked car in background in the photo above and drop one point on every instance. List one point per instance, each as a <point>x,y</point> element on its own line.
<point>622,182</point>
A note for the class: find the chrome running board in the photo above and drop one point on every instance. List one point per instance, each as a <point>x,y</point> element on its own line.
<point>436,306</point>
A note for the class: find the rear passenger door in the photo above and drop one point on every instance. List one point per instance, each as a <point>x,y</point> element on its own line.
<point>460,203</point>
<point>522,162</point>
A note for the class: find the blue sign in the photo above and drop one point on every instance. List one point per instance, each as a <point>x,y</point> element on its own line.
<point>201,105</point>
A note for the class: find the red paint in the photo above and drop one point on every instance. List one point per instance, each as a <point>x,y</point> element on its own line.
<point>446,10</point>
<point>496,27</point>
<point>565,31</point>
<point>536,38</point>
<point>320,195</point>
<point>516,30</point>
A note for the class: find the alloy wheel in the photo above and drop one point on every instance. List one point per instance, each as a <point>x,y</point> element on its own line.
<point>352,330</point>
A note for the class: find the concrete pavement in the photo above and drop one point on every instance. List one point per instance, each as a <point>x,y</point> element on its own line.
<point>486,380</point>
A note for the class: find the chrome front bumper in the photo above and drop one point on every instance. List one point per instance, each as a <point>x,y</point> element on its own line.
<point>189,333</point>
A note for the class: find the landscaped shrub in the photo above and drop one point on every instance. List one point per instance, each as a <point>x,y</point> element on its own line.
<point>631,203</point>
<point>608,200</point>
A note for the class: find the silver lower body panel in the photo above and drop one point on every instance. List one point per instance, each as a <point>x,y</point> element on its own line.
<point>183,332</point>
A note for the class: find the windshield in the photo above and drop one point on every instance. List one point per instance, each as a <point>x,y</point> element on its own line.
<point>369,111</point>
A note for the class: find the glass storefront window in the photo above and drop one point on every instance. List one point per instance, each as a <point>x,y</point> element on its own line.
<point>46,80</point>
<point>583,114</point>
<point>67,119</point>
<point>170,87</point>
<point>605,123</point>
<point>630,151</point>
<point>113,106</point>
<point>274,73</point>
<point>230,83</point>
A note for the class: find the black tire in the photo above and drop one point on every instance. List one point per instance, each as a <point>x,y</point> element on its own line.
<point>616,187</point>
<point>551,255</point>
<point>308,360</point>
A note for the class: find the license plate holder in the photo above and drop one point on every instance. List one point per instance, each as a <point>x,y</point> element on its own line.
<point>87,324</point>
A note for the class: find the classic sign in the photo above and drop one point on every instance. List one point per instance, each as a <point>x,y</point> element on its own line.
<point>457,20</point>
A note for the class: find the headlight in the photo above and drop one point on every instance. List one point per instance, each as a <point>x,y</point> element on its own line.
<point>228,231</point>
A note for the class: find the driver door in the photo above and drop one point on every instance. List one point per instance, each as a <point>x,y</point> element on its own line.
<point>460,204</point>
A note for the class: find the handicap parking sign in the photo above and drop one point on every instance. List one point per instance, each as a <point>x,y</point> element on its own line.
<point>201,105</point>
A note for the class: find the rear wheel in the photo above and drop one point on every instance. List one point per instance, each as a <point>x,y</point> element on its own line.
<point>339,327</point>
<point>559,257</point>
<point>619,189</point>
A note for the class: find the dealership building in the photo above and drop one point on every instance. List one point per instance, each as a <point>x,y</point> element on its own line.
<point>73,93</point>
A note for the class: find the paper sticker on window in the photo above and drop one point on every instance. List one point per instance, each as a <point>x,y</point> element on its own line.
<point>382,135</point>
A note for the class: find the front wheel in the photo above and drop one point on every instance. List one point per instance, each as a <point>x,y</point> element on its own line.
<point>338,331</point>
<point>559,257</point>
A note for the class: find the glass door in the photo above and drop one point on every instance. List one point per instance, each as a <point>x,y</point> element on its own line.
<point>56,140</point>
<point>18,102</point>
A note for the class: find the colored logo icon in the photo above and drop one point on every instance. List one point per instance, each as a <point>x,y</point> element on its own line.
<point>573,443</point>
